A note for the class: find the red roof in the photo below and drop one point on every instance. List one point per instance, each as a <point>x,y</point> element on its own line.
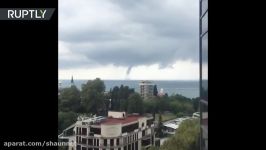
<point>126,120</point>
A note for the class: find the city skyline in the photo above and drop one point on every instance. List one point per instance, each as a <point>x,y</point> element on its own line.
<point>137,40</point>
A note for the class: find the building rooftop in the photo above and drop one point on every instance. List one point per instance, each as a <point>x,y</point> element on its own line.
<point>174,124</point>
<point>146,82</point>
<point>171,125</point>
<point>128,119</point>
<point>113,118</point>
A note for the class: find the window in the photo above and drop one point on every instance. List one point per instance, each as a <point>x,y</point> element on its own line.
<point>112,142</point>
<point>132,146</point>
<point>205,45</point>
<point>78,139</point>
<point>78,147</point>
<point>204,70</point>
<point>145,142</point>
<point>204,23</point>
<point>136,146</point>
<point>143,133</point>
<point>84,141</point>
<point>95,130</point>
<point>91,134</point>
<point>117,141</point>
<point>97,142</point>
<point>149,122</point>
<point>84,131</point>
<point>84,148</point>
<point>77,131</point>
<point>130,128</point>
<point>90,142</point>
<point>105,142</point>
<point>204,6</point>
<point>204,107</point>
<point>152,140</point>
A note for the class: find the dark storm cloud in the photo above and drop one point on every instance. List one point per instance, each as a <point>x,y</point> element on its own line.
<point>129,32</point>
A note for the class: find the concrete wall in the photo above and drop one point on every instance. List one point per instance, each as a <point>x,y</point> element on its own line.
<point>142,120</point>
<point>111,130</point>
<point>115,114</point>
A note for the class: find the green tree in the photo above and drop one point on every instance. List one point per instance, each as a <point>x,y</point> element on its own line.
<point>65,119</point>
<point>156,104</point>
<point>179,104</point>
<point>93,96</point>
<point>181,98</point>
<point>185,138</point>
<point>195,102</point>
<point>162,104</point>
<point>159,130</point>
<point>188,108</point>
<point>119,96</point>
<point>135,104</point>
<point>153,148</point>
<point>69,99</point>
<point>150,106</point>
<point>175,106</point>
<point>115,98</point>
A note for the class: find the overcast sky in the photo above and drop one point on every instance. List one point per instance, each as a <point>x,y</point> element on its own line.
<point>129,39</point>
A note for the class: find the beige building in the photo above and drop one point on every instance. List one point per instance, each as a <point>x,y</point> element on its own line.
<point>146,89</point>
<point>118,131</point>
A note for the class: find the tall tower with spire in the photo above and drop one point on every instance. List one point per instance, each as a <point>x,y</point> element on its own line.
<point>72,81</point>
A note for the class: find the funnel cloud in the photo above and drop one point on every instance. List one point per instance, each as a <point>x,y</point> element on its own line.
<point>127,34</point>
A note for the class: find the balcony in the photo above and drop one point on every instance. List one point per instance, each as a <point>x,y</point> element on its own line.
<point>146,142</point>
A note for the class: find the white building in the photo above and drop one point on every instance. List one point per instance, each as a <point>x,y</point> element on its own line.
<point>161,93</point>
<point>118,131</point>
<point>169,127</point>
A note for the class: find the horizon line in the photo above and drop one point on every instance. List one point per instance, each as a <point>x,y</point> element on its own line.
<point>137,79</point>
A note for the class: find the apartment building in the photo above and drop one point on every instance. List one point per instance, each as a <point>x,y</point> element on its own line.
<point>117,131</point>
<point>146,89</point>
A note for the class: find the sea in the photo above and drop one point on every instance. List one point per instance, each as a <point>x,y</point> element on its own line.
<point>188,89</point>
